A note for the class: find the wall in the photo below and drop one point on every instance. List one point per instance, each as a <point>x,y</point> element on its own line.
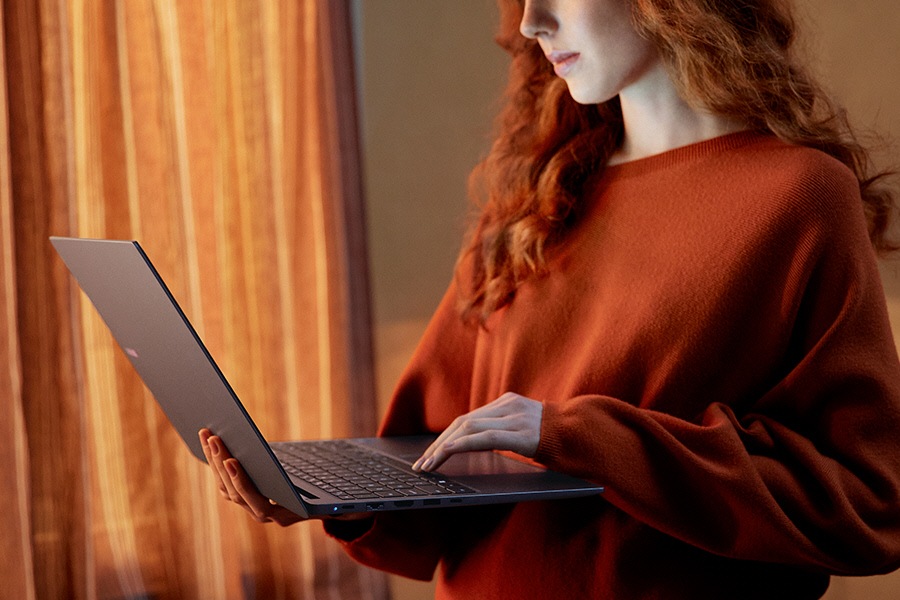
<point>857,53</point>
<point>430,74</point>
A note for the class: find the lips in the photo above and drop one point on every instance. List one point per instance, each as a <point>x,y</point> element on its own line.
<point>562,61</point>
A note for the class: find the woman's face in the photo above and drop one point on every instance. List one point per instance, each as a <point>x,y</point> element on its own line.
<point>592,44</point>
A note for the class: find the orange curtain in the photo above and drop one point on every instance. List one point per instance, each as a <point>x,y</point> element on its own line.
<point>222,135</point>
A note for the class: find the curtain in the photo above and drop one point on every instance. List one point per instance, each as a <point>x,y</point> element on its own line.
<point>222,135</point>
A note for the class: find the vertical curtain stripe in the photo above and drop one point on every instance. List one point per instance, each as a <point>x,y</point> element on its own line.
<point>169,32</point>
<point>125,104</point>
<point>68,103</point>
<point>275,105</point>
<point>88,175</point>
<point>16,521</point>
<point>29,81</point>
<point>20,461</point>
<point>245,191</point>
<point>314,170</point>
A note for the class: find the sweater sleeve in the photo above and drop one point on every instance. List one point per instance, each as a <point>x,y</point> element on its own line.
<point>411,543</point>
<point>805,473</point>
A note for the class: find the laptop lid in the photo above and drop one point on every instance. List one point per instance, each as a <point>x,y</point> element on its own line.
<point>149,326</point>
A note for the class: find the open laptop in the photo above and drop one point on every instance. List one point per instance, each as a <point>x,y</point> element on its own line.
<point>310,478</point>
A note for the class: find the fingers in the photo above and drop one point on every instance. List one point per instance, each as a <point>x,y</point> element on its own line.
<point>213,450</point>
<point>236,486</point>
<point>262,509</point>
<point>471,437</point>
<point>207,452</point>
<point>512,422</point>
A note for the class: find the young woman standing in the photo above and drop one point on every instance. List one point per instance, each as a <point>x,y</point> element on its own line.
<point>671,289</point>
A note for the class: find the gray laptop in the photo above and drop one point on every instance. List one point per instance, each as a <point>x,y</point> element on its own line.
<point>311,478</point>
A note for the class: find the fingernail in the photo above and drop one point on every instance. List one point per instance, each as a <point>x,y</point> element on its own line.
<point>427,465</point>
<point>213,446</point>
<point>417,465</point>
<point>232,471</point>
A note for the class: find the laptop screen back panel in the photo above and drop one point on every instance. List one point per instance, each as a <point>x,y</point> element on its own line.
<point>191,391</point>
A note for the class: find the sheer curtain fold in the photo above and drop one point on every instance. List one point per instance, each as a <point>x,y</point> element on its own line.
<point>222,134</point>
<point>15,493</point>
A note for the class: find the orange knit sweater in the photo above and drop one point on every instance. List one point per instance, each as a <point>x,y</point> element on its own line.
<point>712,345</point>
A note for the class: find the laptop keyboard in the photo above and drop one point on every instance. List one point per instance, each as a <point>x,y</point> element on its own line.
<point>349,472</point>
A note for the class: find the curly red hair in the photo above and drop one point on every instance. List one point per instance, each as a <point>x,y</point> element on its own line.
<point>733,57</point>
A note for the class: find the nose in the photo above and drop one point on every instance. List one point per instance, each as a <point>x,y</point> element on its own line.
<point>537,19</point>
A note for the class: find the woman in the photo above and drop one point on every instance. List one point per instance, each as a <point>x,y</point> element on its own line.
<point>670,289</point>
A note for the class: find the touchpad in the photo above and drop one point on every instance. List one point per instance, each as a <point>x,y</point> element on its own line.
<point>484,463</point>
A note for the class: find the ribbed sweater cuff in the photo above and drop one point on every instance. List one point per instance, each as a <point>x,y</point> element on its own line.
<point>550,447</point>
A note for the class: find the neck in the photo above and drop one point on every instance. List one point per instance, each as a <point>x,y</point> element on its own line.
<point>657,119</point>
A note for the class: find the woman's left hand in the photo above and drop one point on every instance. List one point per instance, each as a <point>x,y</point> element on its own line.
<point>511,422</point>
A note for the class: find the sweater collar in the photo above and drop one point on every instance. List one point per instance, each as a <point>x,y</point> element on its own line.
<point>685,154</point>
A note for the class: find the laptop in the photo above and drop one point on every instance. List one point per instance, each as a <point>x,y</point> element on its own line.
<point>314,479</point>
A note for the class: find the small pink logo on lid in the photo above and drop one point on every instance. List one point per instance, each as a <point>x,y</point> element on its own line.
<point>132,352</point>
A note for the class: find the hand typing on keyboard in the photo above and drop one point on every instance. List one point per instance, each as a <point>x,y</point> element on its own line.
<point>511,422</point>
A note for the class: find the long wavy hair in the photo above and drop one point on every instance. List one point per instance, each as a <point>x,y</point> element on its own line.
<point>733,57</point>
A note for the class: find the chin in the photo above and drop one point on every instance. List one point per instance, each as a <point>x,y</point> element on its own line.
<point>583,96</point>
